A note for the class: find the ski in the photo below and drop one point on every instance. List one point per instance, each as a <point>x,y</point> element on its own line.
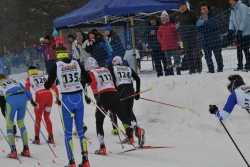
<point>144,148</point>
<point>20,155</point>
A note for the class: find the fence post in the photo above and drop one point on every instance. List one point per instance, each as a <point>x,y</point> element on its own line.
<point>133,42</point>
<point>61,37</point>
<point>5,69</point>
<point>26,57</point>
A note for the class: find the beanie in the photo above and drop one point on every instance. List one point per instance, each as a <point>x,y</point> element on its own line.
<point>47,37</point>
<point>164,14</point>
<point>107,28</point>
<point>80,37</point>
<point>55,32</point>
<point>41,39</point>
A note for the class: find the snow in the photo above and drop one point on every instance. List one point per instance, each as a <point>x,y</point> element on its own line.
<point>197,136</point>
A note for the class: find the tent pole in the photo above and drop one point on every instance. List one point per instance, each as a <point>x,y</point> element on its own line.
<point>133,42</point>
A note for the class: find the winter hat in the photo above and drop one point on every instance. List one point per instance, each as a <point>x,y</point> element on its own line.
<point>91,63</point>
<point>70,36</point>
<point>164,14</point>
<point>55,32</point>
<point>92,32</point>
<point>117,60</point>
<point>62,52</point>
<point>47,37</point>
<point>182,3</point>
<point>32,70</point>
<point>41,39</point>
<point>236,81</point>
<point>2,76</point>
<point>80,37</point>
<point>107,28</point>
<point>95,30</point>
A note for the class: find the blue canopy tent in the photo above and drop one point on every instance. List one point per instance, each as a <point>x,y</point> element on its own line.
<point>115,11</point>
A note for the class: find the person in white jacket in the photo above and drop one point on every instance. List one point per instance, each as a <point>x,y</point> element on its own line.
<point>81,48</point>
<point>130,58</point>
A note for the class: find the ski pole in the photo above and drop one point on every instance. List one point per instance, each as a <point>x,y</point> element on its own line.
<point>10,145</point>
<point>112,116</point>
<point>105,113</point>
<point>163,103</point>
<point>234,142</point>
<point>151,88</point>
<point>41,132</point>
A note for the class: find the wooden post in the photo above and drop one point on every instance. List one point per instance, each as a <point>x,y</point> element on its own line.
<point>133,42</point>
<point>61,37</point>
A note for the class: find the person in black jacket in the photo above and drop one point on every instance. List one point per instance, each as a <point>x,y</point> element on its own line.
<point>98,49</point>
<point>210,37</point>
<point>157,55</point>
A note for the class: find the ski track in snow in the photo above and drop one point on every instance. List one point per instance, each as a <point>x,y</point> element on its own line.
<point>198,138</point>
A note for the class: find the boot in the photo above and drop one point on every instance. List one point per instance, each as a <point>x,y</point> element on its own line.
<point>178,69</point>
<point>71,163</point>
<point>102,150</point>
<point>26,151</point>
<point>85,128</point>
<point>13,153</point>
<point>37,140</point>
<point>128,140</point>
<point>51,138</point>
<point>85,162</point>
<point>115,131</point>
<point>140,133</point>
<point>170,70</point>
<point>239,68</point>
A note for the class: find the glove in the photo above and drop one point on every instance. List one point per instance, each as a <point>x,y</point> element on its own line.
<point>88,100</point>
<point>137,97</point>
<point>212,109</point>
<point>230,33</point>
<point>58,102</point>
<point>200,23</point>
<point>33,103</point>
<point>239,36</point>
<point>98,100</point>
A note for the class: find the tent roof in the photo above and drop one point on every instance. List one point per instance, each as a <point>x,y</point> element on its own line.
<point>114,10</point>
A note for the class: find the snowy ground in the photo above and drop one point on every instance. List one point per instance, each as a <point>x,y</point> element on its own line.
<point>198,138</point>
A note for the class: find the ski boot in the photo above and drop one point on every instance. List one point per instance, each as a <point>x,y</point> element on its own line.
<point>128,140</point>
<point>85,162</point>
<point>85,128</point>
<point>51,138</point>
<point>140,133</point>
<point>102,150</point>
<point>37,140</point>
<point>26,151</point>
<point>13,153</point>
<point>71,163</point>
<point>115,131</point>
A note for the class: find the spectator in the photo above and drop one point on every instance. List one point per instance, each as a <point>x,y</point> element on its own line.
<point>239,23</point>
<point>70,42</point>
<point>59,40</point>
<point>210,37</point>
<point>116,46</point>
<point>186,24</point>
<point>158,56</point>
<point>41,48</point>
<point>50,58</point>
<point>96,47</point>
<point>81,48</point>
<point>130,58</point>
<point>98,35</point>
<point>168,37</point>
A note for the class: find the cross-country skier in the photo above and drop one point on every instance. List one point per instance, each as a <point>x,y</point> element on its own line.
<point>240,95</point>
<point>16,96</point>
<point>107,98</point>
<point>122,78</point>
<point>44,98</point>
<point>115,130</point>
<point>3,107</point>
<point>70,75</point>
